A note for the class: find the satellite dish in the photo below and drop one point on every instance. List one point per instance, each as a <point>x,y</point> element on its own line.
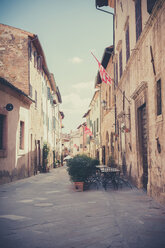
<point>9,107</point>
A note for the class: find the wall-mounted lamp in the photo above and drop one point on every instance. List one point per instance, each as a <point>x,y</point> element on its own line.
<point>104,104</point>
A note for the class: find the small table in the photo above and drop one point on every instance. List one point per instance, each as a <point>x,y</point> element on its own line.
<point>109,175</point>
<point>106,169</point>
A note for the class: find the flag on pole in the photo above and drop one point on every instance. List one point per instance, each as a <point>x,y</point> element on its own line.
<point>103,74</point>
<point>87,131</point>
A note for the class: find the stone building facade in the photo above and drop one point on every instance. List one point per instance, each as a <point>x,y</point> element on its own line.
<point>23,65</point>
<point>93,123</point>
<point>14,151</point>
<point>139,75</point>
<point>83,139</point>
<point>74,144</point>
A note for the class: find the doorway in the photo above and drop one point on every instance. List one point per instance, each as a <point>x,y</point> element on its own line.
<point>142,132</point>
<point>103,155</point>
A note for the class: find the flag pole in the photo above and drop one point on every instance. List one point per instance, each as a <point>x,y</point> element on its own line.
<point>111,80</point>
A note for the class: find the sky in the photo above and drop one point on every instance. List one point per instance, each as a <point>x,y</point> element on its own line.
<point>68,31</point>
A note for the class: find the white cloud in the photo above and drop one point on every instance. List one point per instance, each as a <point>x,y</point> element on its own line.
<point>74,103</point>
<point>84,86</point>
<point>74,107</point>
<point>76,60</point>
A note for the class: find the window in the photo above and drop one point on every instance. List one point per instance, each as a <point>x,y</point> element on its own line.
<point>30,49</point>
<point>138,18</point>
<point>117,127</point>
<point>39,62</point>
<point>51,99</point>
<point>129,116</point>
<point>21,144</point>
<point>159,100</point>
<point>35,59</point>
<point>109,96</point>
<point>3,135</point>
<point>150,5</point>
<point>35,99</point>
<point>106,99</point>
<point>48,93</point>
<point>94,128</point>
<point>120,63</point>
<point>123,100</point>
<point>97,125</point>
<point>116,74</point>
<point>127,43</point>
<point>54,122</point>
<point>2,117</point>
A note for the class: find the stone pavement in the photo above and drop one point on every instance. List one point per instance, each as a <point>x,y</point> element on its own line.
<point>45,212</point>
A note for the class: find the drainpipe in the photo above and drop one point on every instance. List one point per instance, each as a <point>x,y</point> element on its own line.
<point>111,13</point>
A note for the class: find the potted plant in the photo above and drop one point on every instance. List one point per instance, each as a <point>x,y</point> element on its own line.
<point>45,157</point>
<point>80,168</point>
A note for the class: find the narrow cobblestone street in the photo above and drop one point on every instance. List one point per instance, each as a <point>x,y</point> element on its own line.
<point>45,212</point>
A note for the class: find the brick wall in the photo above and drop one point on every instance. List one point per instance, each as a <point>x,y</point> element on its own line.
<point>14,57</point>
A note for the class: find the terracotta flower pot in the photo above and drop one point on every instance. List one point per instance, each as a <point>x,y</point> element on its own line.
<point>79,186</point>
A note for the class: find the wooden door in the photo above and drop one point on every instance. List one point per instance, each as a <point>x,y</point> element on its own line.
<point>143,143</point>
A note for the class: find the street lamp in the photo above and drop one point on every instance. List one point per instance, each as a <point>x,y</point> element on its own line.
<point>104,104</point>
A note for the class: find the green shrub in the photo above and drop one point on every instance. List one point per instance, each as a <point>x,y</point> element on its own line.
<point>45,156</point>
<point>81,167</point>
